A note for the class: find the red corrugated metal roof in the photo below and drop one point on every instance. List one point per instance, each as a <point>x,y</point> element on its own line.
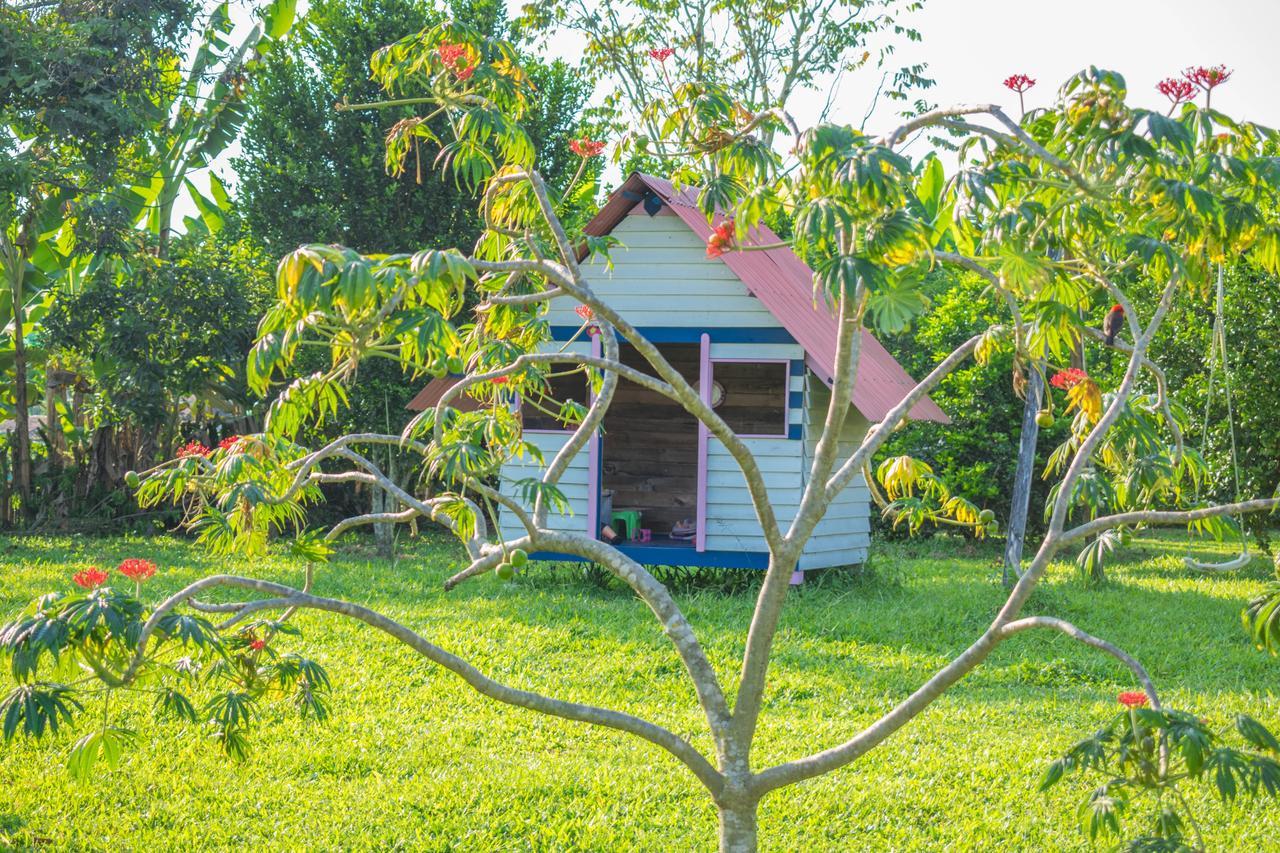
<point>434,390</point>
<point>784,285</point>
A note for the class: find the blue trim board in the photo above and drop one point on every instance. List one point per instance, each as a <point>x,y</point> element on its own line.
<point>798,367</point>
<point>795,432</point>
<point>693,335</point>
<point>795,400</point>
<point>658,555</point>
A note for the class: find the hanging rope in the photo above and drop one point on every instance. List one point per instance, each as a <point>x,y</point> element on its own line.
<point>1218,352</point>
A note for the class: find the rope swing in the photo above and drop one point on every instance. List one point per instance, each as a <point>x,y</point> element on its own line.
<point>1218,355</point>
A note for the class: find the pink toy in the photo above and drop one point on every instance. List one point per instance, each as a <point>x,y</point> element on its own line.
<point>646,535</point>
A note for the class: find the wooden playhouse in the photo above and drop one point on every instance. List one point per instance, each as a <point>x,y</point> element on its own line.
<point>744,326</point>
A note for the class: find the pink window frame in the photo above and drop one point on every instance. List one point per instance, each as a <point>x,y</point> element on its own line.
<point>786,391</point>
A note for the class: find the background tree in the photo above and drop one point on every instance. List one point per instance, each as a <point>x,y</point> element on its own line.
<point>309,173</point>
<point>78,85</point>
<point>761,54</point>
<point>164,341</point>
<point>96,185</point>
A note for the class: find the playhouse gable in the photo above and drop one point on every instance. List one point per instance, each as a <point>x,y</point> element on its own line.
<point>665,237</point>
<point>660,279</point>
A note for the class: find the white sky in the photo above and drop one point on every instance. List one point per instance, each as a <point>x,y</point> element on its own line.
<point>972,45</point>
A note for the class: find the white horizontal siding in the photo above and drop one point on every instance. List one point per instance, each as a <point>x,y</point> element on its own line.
<point>760,352</point>
<point>731,518</point>
<point>573,484</point>
<point>661,276</point>
<point>843,535</point>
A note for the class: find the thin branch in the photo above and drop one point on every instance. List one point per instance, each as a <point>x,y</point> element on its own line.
<point>1138,670</point>
<point>1167,517</point>
<point>295,598</point>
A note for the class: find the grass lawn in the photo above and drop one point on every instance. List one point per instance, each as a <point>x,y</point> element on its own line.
<point>412,759</point>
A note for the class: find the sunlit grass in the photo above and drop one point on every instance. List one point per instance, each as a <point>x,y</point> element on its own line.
<point>412,759</point>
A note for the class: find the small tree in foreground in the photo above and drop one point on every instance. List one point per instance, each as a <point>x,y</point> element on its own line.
<point>1059,212</point>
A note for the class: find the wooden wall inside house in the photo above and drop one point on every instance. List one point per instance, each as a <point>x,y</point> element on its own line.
<point>650,448</point>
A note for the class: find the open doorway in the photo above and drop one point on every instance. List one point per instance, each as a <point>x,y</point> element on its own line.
<point>649,454</point>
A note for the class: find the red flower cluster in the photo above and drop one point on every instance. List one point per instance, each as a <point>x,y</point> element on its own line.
<point>1019,83</point>
<point>1132,699</point>
<point>257,644</point>
<point>661,54</point>
<point>1069,378</point>
<point>1177,89</point>
<point>584,311</point>
<point>229,442</point>
<point>90,578</point>
<point>499,380</point>
<point>586,147</point>
<point>193,448</point>
<point>456,56</point>
<point>137,570</point>
<point>721,239</point>
<point>1209,78</point>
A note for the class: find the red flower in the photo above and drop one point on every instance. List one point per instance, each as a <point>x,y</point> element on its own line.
<point>192,448</point>
<point>1209,78</point>
<point>1176,89</point>
<point>584,311</point>
<point>1018,83</point>
<point>137,570</point>
<point>1132,699</point>
<point>90,578</point>
<point>586,147</point>
<point>257,645</point>
<point>499,380</point>
<point>661,54</point>
<point>721,239</point>
<point>456,57</point>
<point>1069,378</point>
<point>229,442</point>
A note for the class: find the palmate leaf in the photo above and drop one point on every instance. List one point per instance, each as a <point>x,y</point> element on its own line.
<point>188,629</point>
<point>1101,813</point>
<point>1262,619</point>
<point>1087,397</point>
<point>1256,734</point>
<point>231,709</point>
<point>175,704</point>
<point>896,304</point>
<point>37,708</point>
<point>106,745</point>
<point>531,488</point>
<point>28,638</point>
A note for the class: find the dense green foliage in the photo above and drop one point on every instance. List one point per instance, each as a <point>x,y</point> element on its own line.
<point>163,336</point>
<point>423,762</point>
<point>977,453</point>
<point>311,174</point>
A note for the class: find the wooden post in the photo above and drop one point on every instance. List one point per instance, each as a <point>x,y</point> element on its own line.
<point>1015,534</point>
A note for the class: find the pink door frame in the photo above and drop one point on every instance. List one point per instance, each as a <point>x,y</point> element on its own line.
<point>704,436</point>
<point>593,464</point>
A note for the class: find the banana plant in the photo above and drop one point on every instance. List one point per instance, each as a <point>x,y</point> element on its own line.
<point>203,116</point>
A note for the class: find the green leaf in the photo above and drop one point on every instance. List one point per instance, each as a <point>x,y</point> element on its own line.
<point>106,745</point>
<point>37,708</point>
<point>1256,733</point>
<point>277,19</point>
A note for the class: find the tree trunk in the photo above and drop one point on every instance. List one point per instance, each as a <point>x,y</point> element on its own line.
<point>738,828</point>
<point>15,264</point>
<point>383,532</point>
<point>1015,534</point>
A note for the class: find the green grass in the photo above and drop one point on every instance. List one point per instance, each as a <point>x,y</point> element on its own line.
<point>412,759</point>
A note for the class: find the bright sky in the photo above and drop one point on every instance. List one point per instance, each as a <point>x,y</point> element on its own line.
<point>972,45</point>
